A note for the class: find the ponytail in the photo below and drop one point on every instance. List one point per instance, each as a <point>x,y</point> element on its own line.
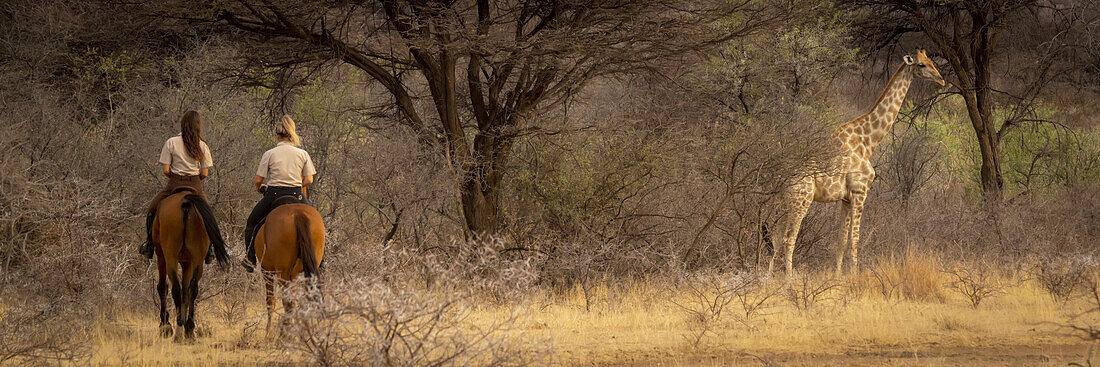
<point>286,130</point>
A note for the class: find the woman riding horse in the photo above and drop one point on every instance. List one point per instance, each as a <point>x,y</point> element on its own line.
<point>180,226</point>
<point>185,160</point>
<point>285,170</point>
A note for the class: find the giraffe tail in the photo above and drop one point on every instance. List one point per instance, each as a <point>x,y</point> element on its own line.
<point>767,238</point>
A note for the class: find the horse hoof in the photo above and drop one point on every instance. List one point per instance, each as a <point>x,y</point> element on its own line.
<point>248,266</point>
<point>165,330</point>
<point>185,338</point>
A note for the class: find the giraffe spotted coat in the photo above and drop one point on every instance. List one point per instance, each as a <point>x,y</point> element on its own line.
<point>851,173</point>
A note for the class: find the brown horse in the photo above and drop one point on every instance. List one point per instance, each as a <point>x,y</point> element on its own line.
<point>181,238</point>
<point>291,241</point>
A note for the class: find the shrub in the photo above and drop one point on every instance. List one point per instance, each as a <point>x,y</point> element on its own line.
<point>975,280</point>
<point>1062,276</point>
<point>804,292</point>
<point>706,297</point>
<point>378,324</point>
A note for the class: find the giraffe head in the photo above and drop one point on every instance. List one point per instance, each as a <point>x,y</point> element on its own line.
<point>924,67</point>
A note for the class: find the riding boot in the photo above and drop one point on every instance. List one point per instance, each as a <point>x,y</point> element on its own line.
<point>249,261</point>
<point>146,249</point>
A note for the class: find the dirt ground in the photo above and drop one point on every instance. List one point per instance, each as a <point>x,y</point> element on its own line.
<point>1020,355</point>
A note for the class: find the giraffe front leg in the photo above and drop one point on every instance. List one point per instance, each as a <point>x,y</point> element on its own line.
<point>846,213</point>
<point>856,216</point>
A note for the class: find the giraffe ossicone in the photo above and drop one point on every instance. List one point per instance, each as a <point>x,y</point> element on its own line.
<point>850,179</point>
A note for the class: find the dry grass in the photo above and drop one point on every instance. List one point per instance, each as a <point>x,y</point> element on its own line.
<point>644,325</point>
<point>645,320</point>
<point>913,276</point>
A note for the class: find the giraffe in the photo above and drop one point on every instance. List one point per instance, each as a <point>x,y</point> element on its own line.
<point>852,175</point>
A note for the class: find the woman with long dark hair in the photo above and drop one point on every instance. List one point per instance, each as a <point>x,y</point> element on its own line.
<point>285,170</point>
<point>185,160</point>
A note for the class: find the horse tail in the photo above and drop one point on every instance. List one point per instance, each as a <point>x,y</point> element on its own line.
<point>185,211</point>
<point>305,244</point>
<point>217,243</point>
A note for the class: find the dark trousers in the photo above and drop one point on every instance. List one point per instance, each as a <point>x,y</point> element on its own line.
<point>265,206</point>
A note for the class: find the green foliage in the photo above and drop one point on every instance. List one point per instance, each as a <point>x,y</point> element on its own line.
<point>1036,157</point>
<point>793,60</point>
<point>110,68</point>
<point>572,182</point>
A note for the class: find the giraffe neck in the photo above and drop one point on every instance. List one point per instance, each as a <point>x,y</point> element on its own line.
<point>882,116</point>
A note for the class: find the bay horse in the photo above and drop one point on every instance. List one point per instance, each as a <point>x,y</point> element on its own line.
<point>290,242</point>
<point>183,231</point>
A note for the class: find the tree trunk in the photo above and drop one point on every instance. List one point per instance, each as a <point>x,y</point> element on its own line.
<point>992,179</point>
<point>481,184</point>
<point>479,206</point>
<point>481,171</point>
<point>980,108</point>
<point>988,146</point>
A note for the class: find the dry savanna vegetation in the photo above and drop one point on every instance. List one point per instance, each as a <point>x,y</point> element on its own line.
<point>514,182</point>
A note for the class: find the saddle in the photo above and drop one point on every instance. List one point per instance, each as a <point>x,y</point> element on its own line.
<point>286,199</point>
<point>282,200</point>
<point>185,189</point>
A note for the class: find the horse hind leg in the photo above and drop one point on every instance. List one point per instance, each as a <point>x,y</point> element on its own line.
<point>269,293</point>
<point>177,295</point>
<point>162,292</point>
<point>170,270</point>
<point>288,301</point>
<point>191,278</point>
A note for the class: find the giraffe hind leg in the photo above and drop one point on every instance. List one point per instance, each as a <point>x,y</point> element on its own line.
<point>785,235</point>
<point>800,196</point>
<point>790,233</point>
<point>774,237</point>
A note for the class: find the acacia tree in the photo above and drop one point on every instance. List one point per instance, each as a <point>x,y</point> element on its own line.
<point>487,66</point>
<point>973,36</point>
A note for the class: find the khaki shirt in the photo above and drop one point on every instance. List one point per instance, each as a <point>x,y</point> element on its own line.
<point>175,155</point>
<point>285,165</point>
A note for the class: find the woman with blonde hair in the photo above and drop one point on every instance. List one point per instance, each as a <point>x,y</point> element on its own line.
<point>185,160</point>
<point>285,170</point>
